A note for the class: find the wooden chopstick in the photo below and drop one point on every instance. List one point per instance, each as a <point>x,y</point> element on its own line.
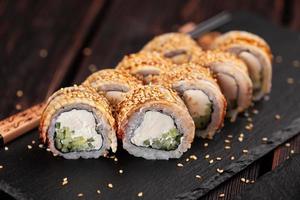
<point>20,123</point>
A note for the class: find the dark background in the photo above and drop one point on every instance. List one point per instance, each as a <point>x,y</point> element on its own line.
<point>47,44</point>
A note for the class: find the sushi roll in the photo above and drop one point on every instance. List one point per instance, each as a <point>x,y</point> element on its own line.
<point>144,65</point>
<point>154,123</point>
<point>200,93</point>
<point>232,76</point>
<point>255,52</point>
<point>78,122</point>
<point>114,84</point>
<point>177,47</point>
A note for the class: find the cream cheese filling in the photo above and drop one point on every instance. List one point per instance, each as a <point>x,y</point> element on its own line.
<point>80,124</point>
<point>153,126</point>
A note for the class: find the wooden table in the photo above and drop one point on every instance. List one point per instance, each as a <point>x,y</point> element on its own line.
<point>49,44</point>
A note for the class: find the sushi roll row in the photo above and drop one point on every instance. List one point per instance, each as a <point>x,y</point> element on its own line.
<point>154,101</point>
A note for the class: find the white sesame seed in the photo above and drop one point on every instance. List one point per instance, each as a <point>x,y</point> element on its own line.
<point>116,159</point>
<point>1,167</point>
<point>227,141</point>
<point>193,157</point>
<point>245,151</point>
<point>140,194</point>
<point>187,160</point>
<point>255,111</point>
<point>220,170</point>
<point>41,146</point>
<point>6,148</point>
<point>232,158</point>
<point>240,139</point>
<point>65,179</point>
<point>110,185</point>
<point>80,195</point>
<point>98,192</point>
<point>206,144</point>
<point>206,156</point>
<point>287,144</point>
<point>243,180</point>
<point>43,53</point>
<point>222,195</point>
<point>121,171</point>
<point>198,176</point>
<point>230,136</point>
<point>33,142</point>
<point>227,147</point>
<point>277,117</point>
<point>247,180</point>
<point>211,161</point>
<point>292,151</point>
<point>264,139</point>
<point>218,158</point>
<point>29,146</point>
<point>179,165</point>
<point>47,149</point>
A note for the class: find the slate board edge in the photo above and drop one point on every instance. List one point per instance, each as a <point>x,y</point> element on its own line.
<point>278,138</point>
<point>13,192</point>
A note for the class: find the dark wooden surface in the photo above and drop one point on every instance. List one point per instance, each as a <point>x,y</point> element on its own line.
<point>65,29</point>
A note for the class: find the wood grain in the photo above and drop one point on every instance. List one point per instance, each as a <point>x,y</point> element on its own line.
<point>39,40</point>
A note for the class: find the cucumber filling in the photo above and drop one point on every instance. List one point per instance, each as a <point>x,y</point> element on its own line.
<point>75,131</point>
<point>199,106</point>
<point>157,131</point>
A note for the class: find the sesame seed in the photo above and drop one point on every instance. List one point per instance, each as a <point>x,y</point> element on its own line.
<point>6,148</point>
<point>65,179</point>
<point>290,80</point>
<point>292,151</point>
<point>19,93</point>
<point>87,51</point>
<point>264,139</point>
<point>18,107</point>
<point>64,182</point>
<point>247,180</point>
<point>227,147</point>
<point>116,159</point>
<point>198,176</point>
<point>121,171</point>
<point>140,194</point>
<point>43,53</point>
<point>243,180</point>
<point>1,167</point>
<point>255,111</point>
<point>227,141</point>
<point>211,161</point>
<point>179,165</point>
<point>80,195</point>
<point>205,144</point>
<point>230,136</point>
<point>232,158</point>
<point>240,139</point>
<point>41,146</point>
<point>206,156</point>
<point>287,144</point>
<point>277,117</point>
<point>98,192</point>
<point>29,146</point>
<point>218,158</point>
<point>47,149</point>
<point>222,195</point>
<point>252,181</point>
<point>249,119</point>
<point>110,185</point>
<point>220,170</point>
<point>245,151</point>
<point>187,160</point>
<point>33,142</point>
<point>193,157</point>
<point>242,135</point>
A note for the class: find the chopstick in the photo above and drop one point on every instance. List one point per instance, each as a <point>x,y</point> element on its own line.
<point>20,123</point>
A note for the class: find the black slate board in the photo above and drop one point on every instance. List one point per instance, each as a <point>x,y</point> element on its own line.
<point>282,183</point>
<point>36,174</point>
